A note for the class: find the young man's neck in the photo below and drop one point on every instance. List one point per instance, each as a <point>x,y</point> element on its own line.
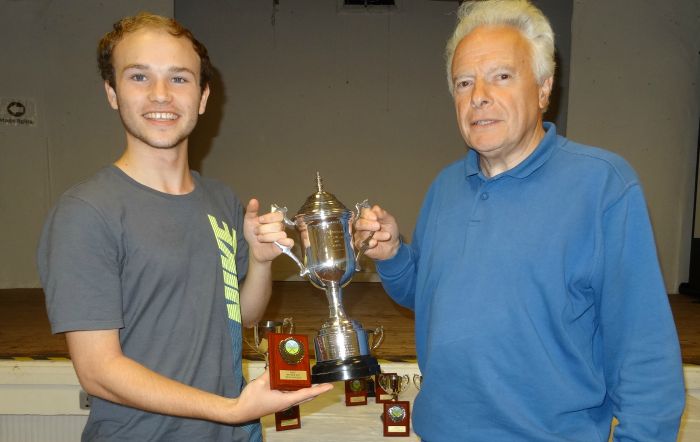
<point>164,170</point>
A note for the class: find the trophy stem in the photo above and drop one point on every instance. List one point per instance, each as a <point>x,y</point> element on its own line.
<point>335,300</point>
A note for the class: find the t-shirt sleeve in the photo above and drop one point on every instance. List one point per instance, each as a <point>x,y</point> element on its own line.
<point>242,244</point>
<point>78,262</point>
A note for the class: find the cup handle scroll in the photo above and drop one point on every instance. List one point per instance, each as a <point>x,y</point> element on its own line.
<point>288,322</point>
<point>377,338</point>
<point>364,245</point>
<point>303,271</point>
<point>405,382</point>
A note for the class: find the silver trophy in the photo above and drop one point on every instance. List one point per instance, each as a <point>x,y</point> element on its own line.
<point>393,384</point>
<point>262,329</point>
<point>343,347</point>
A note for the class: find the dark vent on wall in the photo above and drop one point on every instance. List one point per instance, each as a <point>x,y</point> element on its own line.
<point>368,2</point>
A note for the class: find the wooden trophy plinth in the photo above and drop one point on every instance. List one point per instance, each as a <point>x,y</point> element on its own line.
<point>356,392</point>
<point>380,394</point>
<point>397,418</point>
<point>288,356</point>
<point>288,419</point>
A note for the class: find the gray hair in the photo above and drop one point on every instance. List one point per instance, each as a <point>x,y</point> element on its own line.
<point>519,14</point>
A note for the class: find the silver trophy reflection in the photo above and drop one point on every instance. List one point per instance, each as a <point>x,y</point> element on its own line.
<point>343,347</point>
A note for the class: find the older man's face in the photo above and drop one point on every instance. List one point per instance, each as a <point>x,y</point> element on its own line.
<point>498,100</point>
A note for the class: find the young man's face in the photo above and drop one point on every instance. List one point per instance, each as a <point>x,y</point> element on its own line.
<point>157,88</point>
<point>498,100</point>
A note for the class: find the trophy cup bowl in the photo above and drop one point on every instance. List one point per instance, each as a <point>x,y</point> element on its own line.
<point>394,384</point>
<point>343,348</point>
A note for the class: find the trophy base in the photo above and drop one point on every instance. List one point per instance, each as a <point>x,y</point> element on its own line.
<point>355,367</point>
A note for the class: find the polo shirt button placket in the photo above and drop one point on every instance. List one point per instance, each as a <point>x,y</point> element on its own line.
<point>485,196</point>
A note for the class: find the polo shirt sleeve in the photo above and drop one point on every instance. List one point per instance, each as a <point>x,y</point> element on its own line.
<point>642,361</point>
<point>398,276</point>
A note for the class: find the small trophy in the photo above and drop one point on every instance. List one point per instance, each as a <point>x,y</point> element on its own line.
<point>382,396</point>
<point>356,392</point>
<point>397,414</point>
<point>286,355</point>
<point>376,342</point>
<point>343,348</point>
<point>288,419</point>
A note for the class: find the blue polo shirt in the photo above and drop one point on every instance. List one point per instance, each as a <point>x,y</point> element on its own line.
<point>539,304</point>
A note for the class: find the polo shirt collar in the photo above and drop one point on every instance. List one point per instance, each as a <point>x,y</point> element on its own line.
<point>533,162</point>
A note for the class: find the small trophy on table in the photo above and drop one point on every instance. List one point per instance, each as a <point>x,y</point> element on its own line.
<point>358,390</point>
<point>381,396</point>
<point>397,414</point>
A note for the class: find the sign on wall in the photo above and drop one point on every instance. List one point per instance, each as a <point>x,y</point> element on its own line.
<point>17,112</point>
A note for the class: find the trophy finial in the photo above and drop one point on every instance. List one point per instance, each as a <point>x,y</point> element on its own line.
<point>319,182</point>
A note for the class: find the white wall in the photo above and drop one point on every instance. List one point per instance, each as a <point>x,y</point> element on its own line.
<point>49,56</point>
<point>359,96</point>
<point>634,90</point>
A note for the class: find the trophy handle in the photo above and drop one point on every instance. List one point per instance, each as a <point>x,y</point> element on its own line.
<point>287,221</point>
<point>405,382</point>
<point>383,381</point>
<point>365,243</point>
<point>255,345</point>
<point>303,271</point>
<point>252,346</point>
<point>288,322</point>
<point>256,336</point>
<point>417,380</point>
<point>377,338</point>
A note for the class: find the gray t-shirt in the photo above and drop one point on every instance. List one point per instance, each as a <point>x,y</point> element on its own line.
<point>164,270</point>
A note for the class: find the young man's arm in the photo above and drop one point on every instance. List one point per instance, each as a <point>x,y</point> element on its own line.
<point>261,231</point>
<point>104,371</point>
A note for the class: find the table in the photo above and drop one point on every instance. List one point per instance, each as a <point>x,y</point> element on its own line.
<point>327,418</point>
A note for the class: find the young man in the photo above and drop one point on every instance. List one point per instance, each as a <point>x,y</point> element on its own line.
<point>540,308</point>
<point>141,264</point>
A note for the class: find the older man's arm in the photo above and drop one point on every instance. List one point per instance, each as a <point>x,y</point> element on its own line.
<point>642,359</point>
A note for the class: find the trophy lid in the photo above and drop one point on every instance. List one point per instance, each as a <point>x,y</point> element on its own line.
<point>322,203</point>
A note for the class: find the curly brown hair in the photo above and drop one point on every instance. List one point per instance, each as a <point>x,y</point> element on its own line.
<point>147,20</point>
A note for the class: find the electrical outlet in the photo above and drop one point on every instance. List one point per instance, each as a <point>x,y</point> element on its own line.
<point>84,400</point>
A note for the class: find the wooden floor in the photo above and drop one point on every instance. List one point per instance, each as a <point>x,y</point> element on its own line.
<point>25,332</point>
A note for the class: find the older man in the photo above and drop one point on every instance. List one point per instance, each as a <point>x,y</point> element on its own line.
<point>540,308</point>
